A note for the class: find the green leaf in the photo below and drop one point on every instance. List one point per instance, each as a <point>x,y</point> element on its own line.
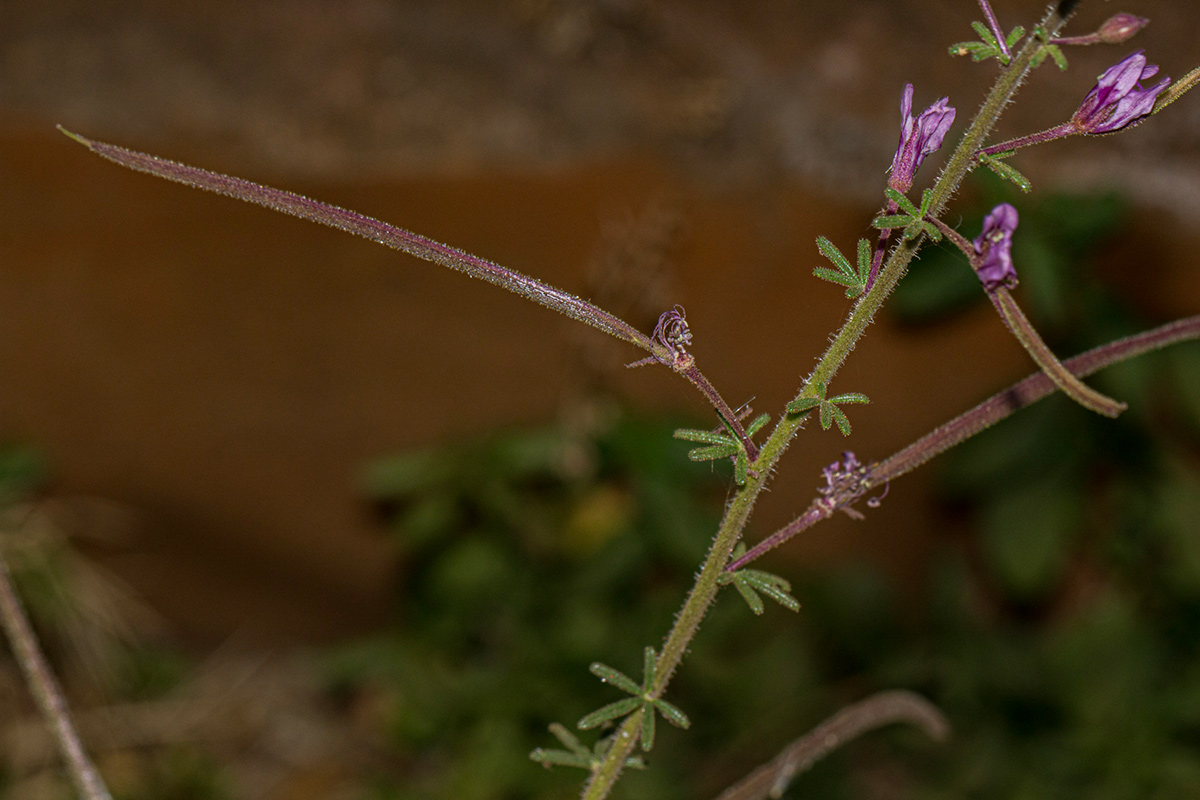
<point>1008,173</point>
<point>985,34</point>
<point>1053,51</point>
<point>902,201</point>
<point>850,397</point>
<point>831,252</point>
<point>756,425</point>
<point>672,714</point>
<point>615,677</point>
<point>560,758</point>
<point>1015,36</point>
<point>802,404</point>
<point>647,728</point>
<point>926,202</point>
<point>759,578</point>
<point>708,437</point>
<point>827,411</point>
<point>842,422</point>
<point>569,740</point>
<point>748,594</point>
<point>1057,54</point>
<point>649,666</point>
<point>889,221</point>
<point>779,595</point>
<point>712,453</point>
<point>740,467</point>
<point>826,274</point>
<point>977,50</point>
<point>610,712</point>
<point>864,260</point>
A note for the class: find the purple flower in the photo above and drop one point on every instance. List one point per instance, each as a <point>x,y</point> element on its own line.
<point>918,137</point>
<point>1118,99</point>
<point>993,249</point>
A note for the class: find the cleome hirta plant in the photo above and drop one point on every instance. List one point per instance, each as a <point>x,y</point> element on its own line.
<point>1125,95</point>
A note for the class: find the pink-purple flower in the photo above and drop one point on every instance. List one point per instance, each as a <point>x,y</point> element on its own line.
<point>1118,99</point>
<point>993,249</point>
<point>918,137</point>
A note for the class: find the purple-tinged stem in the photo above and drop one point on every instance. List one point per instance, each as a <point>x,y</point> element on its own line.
<point>880,248</point>
<point>955,238</point>
<point>380,232</point>
<point>1029,338</point>
<point>46,691</point>
<point>1089,38</point>
<point>816,512</point>
<point>884,708</point>
<point>1048,135</point>
<point>995,26</point>
<point>996,408</point>
<point>1026,393</point>
<point>693,374</point>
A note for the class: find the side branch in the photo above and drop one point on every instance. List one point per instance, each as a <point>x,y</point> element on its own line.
<point>377,231</point>
<point>771,779</point>
<point>963,427</point>
<point>46,691</point>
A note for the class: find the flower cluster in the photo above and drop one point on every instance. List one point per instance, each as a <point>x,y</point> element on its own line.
<point>844,483</point>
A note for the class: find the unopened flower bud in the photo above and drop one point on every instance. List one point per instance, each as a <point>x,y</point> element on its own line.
<point>1121,28</point>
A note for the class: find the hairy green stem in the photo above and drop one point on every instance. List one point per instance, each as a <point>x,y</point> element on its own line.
<point>703,592</point>
<point>738,512</point>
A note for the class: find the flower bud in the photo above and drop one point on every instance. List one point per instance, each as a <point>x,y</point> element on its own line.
<point>1120,28</point>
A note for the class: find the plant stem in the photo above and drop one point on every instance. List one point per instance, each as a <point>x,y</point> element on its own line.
<point>1029,338</point>
<point>693,374</point>
<point>46,691</point>
<point>995,26</point>
<point>703,592</point>
<point>1048,135</point>
<point>996,408</point>
<point>736,515</point>
<point>884,708</point>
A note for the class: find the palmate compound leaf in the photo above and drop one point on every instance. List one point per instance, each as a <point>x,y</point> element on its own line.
<point>749,582</point>
<point>641,700</point>
<point>854,279</point>
<point>723,445</point>
<point>720,445</point>
<point>576,755</point>
<point>828,411</point>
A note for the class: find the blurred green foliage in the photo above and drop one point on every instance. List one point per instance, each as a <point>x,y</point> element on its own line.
<point>1058,627</point>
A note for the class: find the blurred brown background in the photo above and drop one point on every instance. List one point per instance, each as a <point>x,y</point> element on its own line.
<point>222,372</point>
